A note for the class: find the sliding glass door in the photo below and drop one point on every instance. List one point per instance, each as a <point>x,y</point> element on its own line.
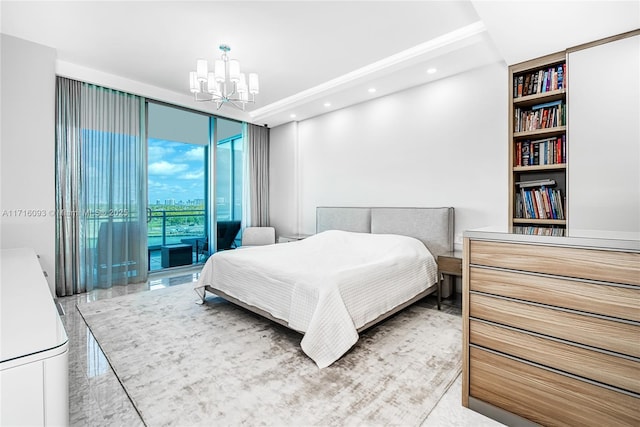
<point>177,220</point>
<point>229,161</point>
<point>195,170</point>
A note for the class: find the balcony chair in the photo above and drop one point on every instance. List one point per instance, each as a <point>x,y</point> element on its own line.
<point>227,232</point>
<point>226,235</point>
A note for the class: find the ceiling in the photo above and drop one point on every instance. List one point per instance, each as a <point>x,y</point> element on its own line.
<point>307,53</point>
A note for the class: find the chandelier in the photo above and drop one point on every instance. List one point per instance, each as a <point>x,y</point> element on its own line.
<point>225,84</point>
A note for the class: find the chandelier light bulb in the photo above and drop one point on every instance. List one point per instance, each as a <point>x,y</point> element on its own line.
<point>193,82</point>
<point>234,71</point>
<point>254,84</point>
<point>242,84</point>
<point>211,83</point>
<point>201,69</point>
<point>219,70</point>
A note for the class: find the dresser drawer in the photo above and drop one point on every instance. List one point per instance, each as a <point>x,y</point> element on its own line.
<point>547,397</point>
<point>609,300</point>
<point>607,266</point>
<point>606,368</point>
<point>619,337</point>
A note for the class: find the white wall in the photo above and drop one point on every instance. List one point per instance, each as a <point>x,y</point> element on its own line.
<point>441,144</point>
<point>283,201</point>
<point>27,149</point>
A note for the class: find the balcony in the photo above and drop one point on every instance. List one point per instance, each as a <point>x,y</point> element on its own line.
<point>169,227</point>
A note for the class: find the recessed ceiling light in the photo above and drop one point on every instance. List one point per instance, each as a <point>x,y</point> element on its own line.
<point>431,70</point>
<point>372,90</point>
<point>293,116</point>
<point>327,104</point>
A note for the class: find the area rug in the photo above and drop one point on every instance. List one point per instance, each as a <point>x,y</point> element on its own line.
<point>216,364</point>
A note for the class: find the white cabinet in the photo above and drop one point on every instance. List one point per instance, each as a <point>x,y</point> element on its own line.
<point>34,346</point>
<point>604,131</point>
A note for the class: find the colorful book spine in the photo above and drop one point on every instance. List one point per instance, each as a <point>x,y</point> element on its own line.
<point>560,76</point>
<point>539,203</point>
<point>540,81</point>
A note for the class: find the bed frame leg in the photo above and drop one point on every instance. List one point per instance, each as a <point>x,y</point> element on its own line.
<point>439,292</point>
<point>201,297</point>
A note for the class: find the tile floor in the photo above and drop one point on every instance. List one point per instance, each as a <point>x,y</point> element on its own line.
<point>96,397</point>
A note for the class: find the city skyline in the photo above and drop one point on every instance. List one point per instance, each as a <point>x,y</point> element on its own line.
<point>174,202</point>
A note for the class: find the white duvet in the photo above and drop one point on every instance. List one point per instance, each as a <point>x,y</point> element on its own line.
<point>326,286</point>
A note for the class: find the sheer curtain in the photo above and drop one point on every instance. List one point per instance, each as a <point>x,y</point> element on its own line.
<point>100,188</point>
<point>256,176</point>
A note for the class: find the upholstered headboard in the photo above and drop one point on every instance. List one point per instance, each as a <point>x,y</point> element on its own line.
<point>432,226</point>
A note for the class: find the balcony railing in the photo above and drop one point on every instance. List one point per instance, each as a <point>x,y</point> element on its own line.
<point>166,227</point>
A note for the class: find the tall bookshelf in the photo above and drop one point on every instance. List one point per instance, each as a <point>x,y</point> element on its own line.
<point>538,146</point>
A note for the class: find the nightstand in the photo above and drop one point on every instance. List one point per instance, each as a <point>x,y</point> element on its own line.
<point>450,265</point>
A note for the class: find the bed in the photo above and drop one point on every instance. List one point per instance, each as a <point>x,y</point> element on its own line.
<point>361,266</point>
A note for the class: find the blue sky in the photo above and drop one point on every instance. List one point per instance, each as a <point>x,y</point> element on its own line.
<point>176,171</point>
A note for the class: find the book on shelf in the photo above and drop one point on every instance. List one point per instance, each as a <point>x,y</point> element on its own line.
<point>525,153</point>
<point>520,84</point>
<point>539,231</point>
<point>546,105</point>
<point>561,76</point>
<point>540,81</point>
<point>536,183</point>
<point>539,203</point>
<point>544,122</point>
<point>527,84</point>
<point>540,116</point>
<point>546,151</point>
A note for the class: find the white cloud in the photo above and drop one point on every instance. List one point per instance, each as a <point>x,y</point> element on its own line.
<point>196,153</point>
<point>165,168</point>
<point>156,152</point>
<point>194,175</point>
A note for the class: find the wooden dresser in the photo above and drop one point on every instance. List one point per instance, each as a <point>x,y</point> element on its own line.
<point>551,329</point>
